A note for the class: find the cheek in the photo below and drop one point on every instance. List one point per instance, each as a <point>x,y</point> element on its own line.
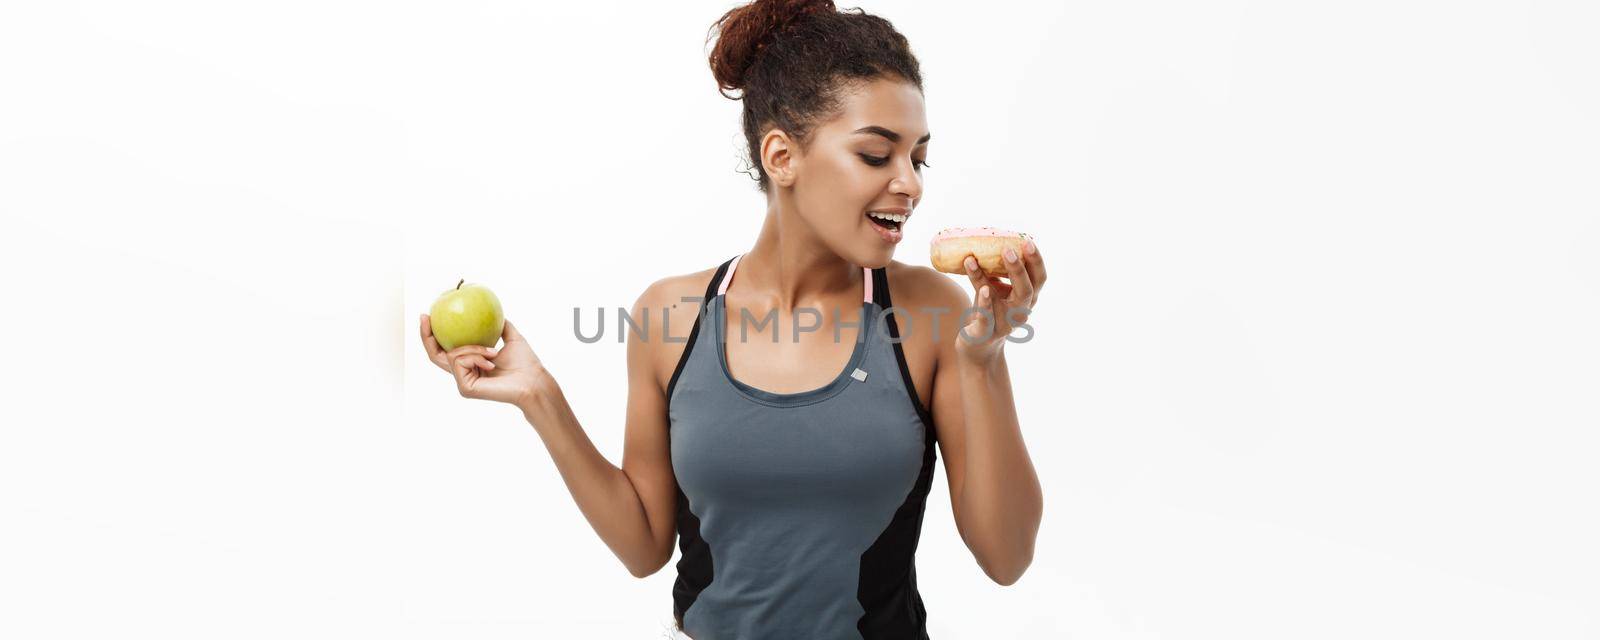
<point>841,191</point>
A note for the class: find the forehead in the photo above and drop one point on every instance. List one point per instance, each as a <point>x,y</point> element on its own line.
<point>893,104</point>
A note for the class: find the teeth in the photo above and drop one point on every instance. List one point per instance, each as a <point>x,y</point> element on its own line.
<point>893,217</point>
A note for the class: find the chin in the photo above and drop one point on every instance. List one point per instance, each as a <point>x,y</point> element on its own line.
<point>876,259</point>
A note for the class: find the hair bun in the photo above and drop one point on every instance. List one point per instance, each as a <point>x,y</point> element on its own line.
<point>744,31</point>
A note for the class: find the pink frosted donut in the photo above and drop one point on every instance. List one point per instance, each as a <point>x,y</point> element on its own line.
<point>950,247</point>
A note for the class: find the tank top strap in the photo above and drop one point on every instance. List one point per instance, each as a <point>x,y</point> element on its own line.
<point>878,287</point>
<point>867,277</point>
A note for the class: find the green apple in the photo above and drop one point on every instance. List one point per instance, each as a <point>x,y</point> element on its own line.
<point>467,314</point>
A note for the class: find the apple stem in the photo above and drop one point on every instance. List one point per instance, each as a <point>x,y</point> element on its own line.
<point>458,284</point>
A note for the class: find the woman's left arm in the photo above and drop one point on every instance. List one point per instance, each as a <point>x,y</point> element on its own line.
<point>995,492</point>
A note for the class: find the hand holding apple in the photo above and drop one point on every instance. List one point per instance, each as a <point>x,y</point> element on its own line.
<point>510,374</point>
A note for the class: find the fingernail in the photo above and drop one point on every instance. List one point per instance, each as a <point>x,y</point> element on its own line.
<point>1011,256</point>
<point>971,264</point>
<point>1031,249</point>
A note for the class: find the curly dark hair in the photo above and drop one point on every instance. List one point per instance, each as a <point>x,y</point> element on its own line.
<point>792,60</point>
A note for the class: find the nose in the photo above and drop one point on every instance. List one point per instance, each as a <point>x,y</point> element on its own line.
<point>908,183</point>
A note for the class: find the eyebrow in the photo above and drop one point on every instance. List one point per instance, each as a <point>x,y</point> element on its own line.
<point>891,135</point>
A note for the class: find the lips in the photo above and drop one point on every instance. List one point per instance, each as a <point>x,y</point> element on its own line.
<point>888,218</point>
<point>886,224</point>
<point>889,232</point>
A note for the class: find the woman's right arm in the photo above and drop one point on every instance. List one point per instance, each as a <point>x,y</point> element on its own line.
<point>632,508</point>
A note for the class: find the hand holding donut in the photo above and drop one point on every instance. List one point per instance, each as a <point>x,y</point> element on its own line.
<point>985,254</point>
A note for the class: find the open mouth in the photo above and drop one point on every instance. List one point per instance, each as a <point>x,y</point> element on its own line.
<point>889,221</point>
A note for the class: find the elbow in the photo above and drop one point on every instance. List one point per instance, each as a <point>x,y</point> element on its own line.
<point>1015,560</point>
<point>1004,565</point>
<point>1007,570</point>
<point>1008,575</point>
<point>648,569</point>
<point>644,571</point>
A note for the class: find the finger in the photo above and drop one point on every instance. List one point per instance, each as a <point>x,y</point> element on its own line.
<point>474,349</point>
<point>466,376</point>
<point>468,366</point>
<point>1021,282</point>
<point>975,273</point>
<point>430,344</point>
<point>1035,261</point>
<point>464,353</point>
<point>1001,287</point>
<point>511,334</point>
<point>437,354</point>
<point>426,325</point>
<point>977,327</point>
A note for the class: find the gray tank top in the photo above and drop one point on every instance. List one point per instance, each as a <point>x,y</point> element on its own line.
<point>799,513</point>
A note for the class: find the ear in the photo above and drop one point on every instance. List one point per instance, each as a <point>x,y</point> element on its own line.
<point>780,157</point>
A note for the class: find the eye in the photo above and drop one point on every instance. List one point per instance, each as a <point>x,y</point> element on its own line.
<point>878,162</point>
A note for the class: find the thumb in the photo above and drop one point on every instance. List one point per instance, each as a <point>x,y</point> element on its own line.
<point>510,334</point>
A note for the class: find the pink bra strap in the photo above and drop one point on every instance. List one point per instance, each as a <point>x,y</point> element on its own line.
<point>728,277</point>
<point>866,277</point>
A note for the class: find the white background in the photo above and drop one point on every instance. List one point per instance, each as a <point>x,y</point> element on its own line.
<point>1318,360</point>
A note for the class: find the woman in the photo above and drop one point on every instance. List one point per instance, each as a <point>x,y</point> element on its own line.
<point>793,485</point>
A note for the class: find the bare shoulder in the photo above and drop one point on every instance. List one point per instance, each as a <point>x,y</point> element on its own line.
<point>932,302</point>
<point>671,304</point>
<point>671,290</point>
<point>916,286</point>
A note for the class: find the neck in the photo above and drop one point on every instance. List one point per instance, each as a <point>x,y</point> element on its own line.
<point>790,265</point>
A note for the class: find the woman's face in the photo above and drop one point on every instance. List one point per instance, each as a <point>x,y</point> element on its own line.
<point>868,158</point>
